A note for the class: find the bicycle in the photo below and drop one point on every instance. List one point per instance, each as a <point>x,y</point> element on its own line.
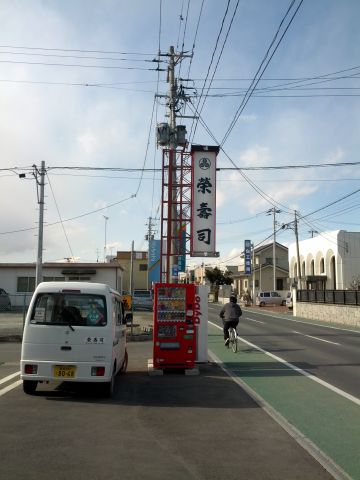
<point>233,339</point>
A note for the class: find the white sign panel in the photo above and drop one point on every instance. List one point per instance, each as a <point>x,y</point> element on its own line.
<point>203,201</point>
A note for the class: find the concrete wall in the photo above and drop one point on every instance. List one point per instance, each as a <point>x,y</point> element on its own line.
<point>336,314</point>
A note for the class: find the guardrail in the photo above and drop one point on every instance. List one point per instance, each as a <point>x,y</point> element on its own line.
<point>335,297</point>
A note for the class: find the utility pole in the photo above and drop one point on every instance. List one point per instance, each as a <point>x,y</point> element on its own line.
<point>149,237</point>
<point>40,183</point>
<point>297,250</point>
<point>274,212</point>
<point>253,273</point>
<point>173,227</point>
<point>106,219</point>
<point>132,284</point>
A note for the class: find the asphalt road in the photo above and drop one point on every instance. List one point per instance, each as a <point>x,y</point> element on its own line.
<point>328,353</point>
<point>311,383</point>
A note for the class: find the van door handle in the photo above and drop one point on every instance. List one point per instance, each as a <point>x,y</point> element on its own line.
<point>65,348</point>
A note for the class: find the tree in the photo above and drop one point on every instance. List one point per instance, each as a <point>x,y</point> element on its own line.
<point>216,277</point>
<point>355,283</point>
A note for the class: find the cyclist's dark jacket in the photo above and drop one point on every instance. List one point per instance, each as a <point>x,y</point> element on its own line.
<point>231,311</point>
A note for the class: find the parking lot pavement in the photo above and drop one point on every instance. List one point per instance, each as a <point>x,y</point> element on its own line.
<point>196,419</point>
<point>206,426</point>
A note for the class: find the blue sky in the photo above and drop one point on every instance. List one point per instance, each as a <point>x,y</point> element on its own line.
<point>50,113</point>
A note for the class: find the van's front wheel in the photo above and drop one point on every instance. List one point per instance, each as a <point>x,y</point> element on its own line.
<point>29,386</point>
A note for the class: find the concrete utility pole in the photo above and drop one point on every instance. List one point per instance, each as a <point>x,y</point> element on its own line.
<point>172,227</point>
<point>274,211</point>
<point>131,286</point>
<point>253,273</point>
<point>297,250</point>
<point>106,219</point>
<point>41,184</point>
<point>174,98</point>
<point>149,237</point>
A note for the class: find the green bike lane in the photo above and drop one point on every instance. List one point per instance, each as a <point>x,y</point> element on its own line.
<point>329,420</point>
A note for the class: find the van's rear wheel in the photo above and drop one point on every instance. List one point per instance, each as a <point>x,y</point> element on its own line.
<point>262,304</point>
<point>29,386</point>
<point>107,389</point>
<point>125,363</point>
<point>283,303</point>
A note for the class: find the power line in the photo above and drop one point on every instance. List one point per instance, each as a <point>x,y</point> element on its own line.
<point>266,197</point>
<point>218,60</point>
<point>72,218</point>
<point>106,52</point>
<point>258,75</point>
<point>62,224</point>
<point>210,64</point>
<point>78,57</point>
<point>112,67</point>
<point>153,169</point>
<point>332,203</point>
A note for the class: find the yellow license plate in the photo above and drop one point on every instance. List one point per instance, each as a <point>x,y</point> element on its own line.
<point>64,371</point>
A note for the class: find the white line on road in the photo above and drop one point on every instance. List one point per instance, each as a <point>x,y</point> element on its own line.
<point>348,396</point>
<point>316,338</point>
<point>253,320</point>
<point>9,377</point>
<point>10,387</point>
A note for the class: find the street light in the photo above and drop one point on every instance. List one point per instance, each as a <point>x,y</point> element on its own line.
<point>106,219</point>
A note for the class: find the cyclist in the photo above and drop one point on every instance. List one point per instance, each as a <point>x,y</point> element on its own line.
<point>230,314</point>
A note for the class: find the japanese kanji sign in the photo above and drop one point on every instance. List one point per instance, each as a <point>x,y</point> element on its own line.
<point>247,257</point>
<point>203,201</point>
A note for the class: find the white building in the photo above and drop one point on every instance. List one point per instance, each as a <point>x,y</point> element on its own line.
<point>18,279</point>
<point>331,260</point>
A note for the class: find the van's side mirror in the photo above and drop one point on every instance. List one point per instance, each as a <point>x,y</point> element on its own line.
<point>128,318</point>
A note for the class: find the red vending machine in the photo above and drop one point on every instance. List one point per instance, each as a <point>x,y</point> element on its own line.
<point>174,326</point>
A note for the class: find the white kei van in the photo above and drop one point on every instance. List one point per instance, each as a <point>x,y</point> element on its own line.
<point>74,332</point>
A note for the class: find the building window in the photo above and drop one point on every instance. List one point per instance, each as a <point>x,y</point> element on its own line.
<point>269,261</point>
<point>25,284</point>
<point>312,267</point>
<point>256,283</point>
<point>54,279</point>
<point>79,279</point>
<point>303,269</point>
<point>322,266</point>
<point>143,267</point>
<point>295,270</point>
<point>279,284</point>
<point>245,284</point>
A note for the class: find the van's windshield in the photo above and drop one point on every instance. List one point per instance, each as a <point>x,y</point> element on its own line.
<point>69,309</point>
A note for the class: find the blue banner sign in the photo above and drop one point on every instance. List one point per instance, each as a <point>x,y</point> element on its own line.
<point>154,261</point>
<point>247,256</point>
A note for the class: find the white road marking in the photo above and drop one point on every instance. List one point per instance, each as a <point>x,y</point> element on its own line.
<point>299,370</point>
<point>253,320</point>
<point>305,322</point>
<point>10,387</point>
<point>316,338</point>
<point>9,377</point>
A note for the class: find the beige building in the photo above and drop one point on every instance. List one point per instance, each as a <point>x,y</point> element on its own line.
<point>140,269</point>
<point>263,273</point>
